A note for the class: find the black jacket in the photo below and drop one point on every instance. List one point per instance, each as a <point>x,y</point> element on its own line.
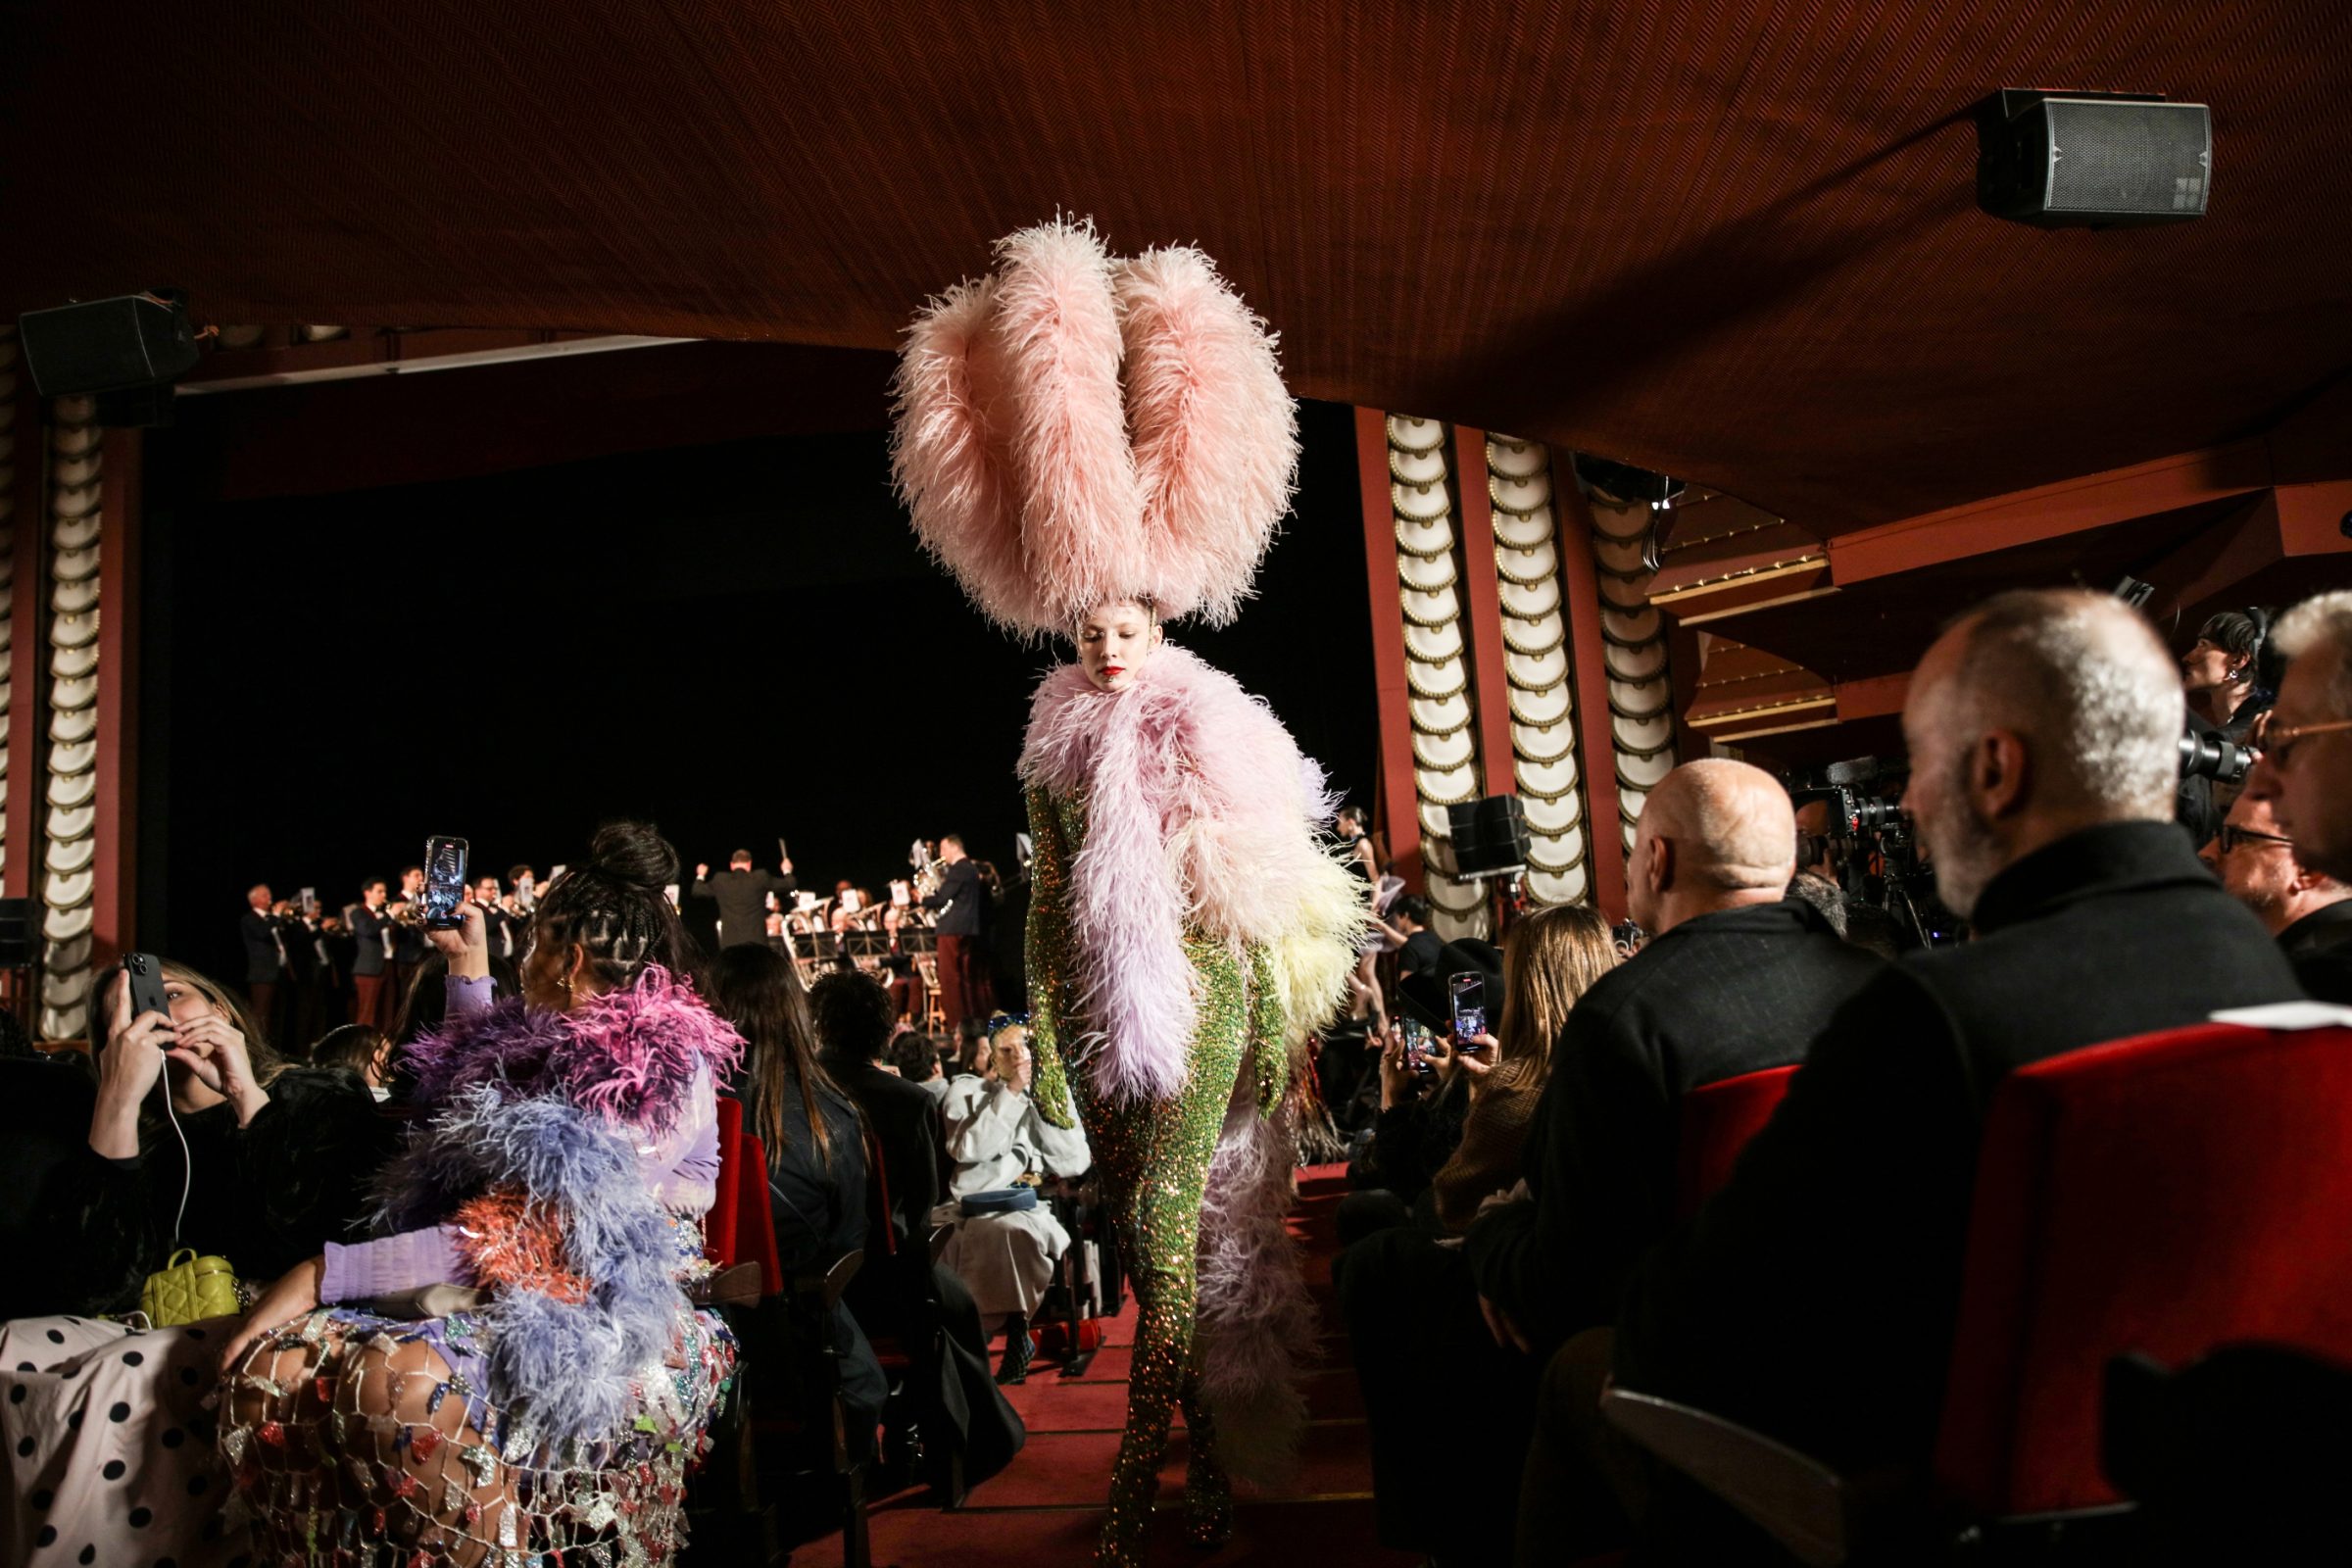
<point>73,1223</point>
<point>906,1123</point>
<point>368,941</point>
<point>958,900</point>
<point>2320,947</point>
<point>1714,998</point>
<point>1813,1297</point>
<point>742,899</point>
<point>265,964</point>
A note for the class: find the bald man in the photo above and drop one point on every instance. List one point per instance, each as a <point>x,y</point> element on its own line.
<point>1813,1297</point>
<point>1733,979</point>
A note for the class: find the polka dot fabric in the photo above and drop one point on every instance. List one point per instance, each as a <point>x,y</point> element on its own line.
<point>111,1450</point>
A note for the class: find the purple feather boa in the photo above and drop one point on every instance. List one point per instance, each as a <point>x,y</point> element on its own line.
<point>629,1055</point>
<point>555,1104</point>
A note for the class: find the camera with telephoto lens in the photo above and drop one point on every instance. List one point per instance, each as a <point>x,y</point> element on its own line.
<point>1875,848</point>
<point>2225,761</point>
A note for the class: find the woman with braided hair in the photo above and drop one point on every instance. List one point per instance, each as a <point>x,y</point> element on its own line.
<point>514,1368</point>
<point>1092,446</point>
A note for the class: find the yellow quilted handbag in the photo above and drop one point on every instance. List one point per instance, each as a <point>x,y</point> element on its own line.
<point>188,1290</point>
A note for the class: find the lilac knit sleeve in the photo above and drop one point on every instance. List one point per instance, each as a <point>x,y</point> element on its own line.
<point>466,995</point>
<point>391,1264</point>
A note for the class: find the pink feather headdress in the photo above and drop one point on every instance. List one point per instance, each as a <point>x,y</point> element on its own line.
<point>1078,427</point>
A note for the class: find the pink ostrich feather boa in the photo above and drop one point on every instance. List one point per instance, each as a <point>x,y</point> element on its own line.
<point>1199,818</point>
<point>629,1055</point>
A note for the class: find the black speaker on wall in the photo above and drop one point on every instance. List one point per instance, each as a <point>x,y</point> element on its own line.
<point>19,935</point>
<point>136,340</point>
<point>1489,835</point>
<point>2092,160</point>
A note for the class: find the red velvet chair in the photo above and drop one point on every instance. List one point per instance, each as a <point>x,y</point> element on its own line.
<point>1717,1121</point>
<point>2166,1194</point>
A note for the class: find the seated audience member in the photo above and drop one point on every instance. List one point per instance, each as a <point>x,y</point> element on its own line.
<point>853,1026</point>
<point>362,1050</point>
<point>916,1056</point>
<point>564,1150</point>
<point>1006,1243</point>
<point>1551,958</point>
<point>1813,1297</point>
<point>1418,1127</point>
<point>815,1144</point>
<point>2309,912</point>
<point>2306,739</point>
<point>275,1164</point>
<point>1733,978</point>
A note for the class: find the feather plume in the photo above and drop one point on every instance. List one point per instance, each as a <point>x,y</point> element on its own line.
<point>1072,430</point>
<point>1256,1322</point>
<point>1216,433</point>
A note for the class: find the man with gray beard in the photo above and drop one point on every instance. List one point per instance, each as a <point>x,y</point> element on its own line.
<point>1813,1298</point>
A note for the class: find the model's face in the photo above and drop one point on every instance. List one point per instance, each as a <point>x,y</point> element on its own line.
<point>1113,641</point>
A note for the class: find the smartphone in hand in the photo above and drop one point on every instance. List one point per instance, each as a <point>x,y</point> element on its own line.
<point>143,972</point>
<point>1468,994</point>
<point>444,883</point>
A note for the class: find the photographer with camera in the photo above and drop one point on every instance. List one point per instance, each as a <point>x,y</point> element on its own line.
<point>1813,1297</point>
<point>2228,676</point>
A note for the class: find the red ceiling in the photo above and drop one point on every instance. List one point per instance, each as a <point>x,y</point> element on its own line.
<point>1737,242</point>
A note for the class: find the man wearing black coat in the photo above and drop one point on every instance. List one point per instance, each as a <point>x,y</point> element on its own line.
<point>1738,979</point>
<point>1813,1298</point>
<point>961,903</point>
<point>740,894</point>
<point>368,960</point>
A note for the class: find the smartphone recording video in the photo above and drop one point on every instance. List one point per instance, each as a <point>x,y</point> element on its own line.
<point>1468,994</point>
<point>143,972</point>
<point>444,883</point>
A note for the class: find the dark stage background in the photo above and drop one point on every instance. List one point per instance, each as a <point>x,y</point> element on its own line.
<point>737,642</point>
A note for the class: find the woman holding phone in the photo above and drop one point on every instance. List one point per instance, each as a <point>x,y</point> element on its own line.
<point>516,1368</point>
<point>199,1137</point>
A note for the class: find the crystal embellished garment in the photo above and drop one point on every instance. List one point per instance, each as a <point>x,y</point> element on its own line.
<point>1185,928</point>
<point>562,1165</point>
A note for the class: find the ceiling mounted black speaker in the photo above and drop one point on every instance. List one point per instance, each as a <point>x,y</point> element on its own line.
<point>1622,482</point>
<point>1490,836</point>
<point>108,345</point>
<point>2092,160</point>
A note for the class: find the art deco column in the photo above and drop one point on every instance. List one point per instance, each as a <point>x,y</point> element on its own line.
<point>1641,690</point>
<point>67,874</point>
<point>1535,635</point>
<point>1441,712</point>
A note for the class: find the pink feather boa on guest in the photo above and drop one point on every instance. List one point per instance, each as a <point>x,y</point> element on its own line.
<point>1202,818</point>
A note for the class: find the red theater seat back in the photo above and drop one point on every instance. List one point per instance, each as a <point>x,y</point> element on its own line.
<point>2165,1194</point>
<point>1717,1121</point>
<point>741,1226</point>
<point>719,1239</point>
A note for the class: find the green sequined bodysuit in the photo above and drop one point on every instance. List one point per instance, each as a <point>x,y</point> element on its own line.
<point>1153,1157</point>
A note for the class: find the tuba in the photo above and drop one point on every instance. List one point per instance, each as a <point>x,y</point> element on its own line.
<point>927,871</point>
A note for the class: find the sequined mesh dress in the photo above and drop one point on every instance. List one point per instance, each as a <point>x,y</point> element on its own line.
<point>563,1169</point>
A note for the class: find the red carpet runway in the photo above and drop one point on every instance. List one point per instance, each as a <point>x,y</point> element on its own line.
<point>1044,1511</point>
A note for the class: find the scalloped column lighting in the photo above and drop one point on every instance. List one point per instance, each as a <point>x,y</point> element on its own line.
<point>1633,637</point>
<point>1437,664</point>
<point>1535,640</point>
<point>8,372</point>
<point>68,878</point>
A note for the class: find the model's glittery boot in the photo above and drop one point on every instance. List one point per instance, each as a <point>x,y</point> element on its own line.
<point>1208,1490</point>
<point>1132,1489</point>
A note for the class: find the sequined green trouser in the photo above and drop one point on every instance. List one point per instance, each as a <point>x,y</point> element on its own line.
<point>1153,1157</point>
